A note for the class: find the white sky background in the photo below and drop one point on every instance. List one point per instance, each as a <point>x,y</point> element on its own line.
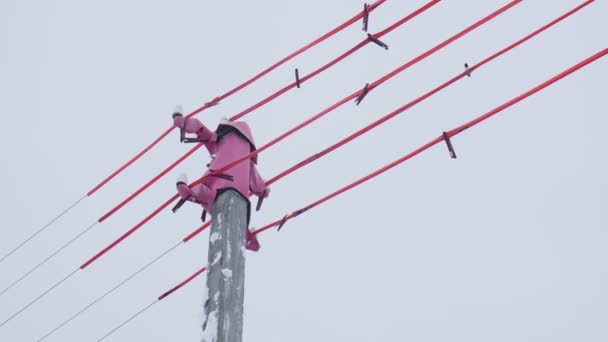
<point>506,243</point>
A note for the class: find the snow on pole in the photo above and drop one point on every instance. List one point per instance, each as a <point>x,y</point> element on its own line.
<point>226,269</point>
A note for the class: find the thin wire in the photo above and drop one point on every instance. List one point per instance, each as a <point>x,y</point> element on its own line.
<point>161,297</point>
<point>128,233</point>
<point>174,197</point>
<point>43,228</point>
<point>110,291</point>
<point>395,163</point>
<point>49,257</point>
<point>38,298</point>
<point>128,320</point>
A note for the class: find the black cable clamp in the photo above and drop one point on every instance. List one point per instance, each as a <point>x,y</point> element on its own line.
<point>362,94</point>
<point>204,215</point>
<point>377,41</point>
<point>261,199</point>
<point>365,16</point>
<point>180,202</point>
<point>213,102</point>
<point>446,137</point>
<point>297,78</point>
<point>182,132</point>
<point>283,220</point>
<point>290,216</point>
<point>190,140</point>
<point>223,176</point>
<point>179,205</point>
<point>467,70</point>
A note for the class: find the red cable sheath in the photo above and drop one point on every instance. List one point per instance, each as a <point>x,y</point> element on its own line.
<point>260,104</point>
<point>539,87</point>
<point>440,138</point>
<point>129,232</point>
<point>407,106</point>
<point>195,233</point>
<point>189,279</point>
<point>308,46</point>
<point>531,35</point>
<point>445,43</point>
<point>412,154</point>
<point>150,182</point>
<point>236,89</point>
<point>365,129</point>
<point>331,63</point>
<point>405,19</point>
<point>131,161</point>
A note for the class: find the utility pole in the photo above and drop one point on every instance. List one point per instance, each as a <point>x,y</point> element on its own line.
<point>226,270</point>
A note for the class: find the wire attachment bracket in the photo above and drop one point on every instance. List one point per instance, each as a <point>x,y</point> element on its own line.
<point>189,140</point>
<point>290,216</point>
<point>221,175</point>
<point>377,41</point>
<point>362,94</point>
<point>365,16</point>
<point>180,202</point>
<point>283,220</point>
<point>213,102</point>
<point>448,142</point>
<point>297,78</point>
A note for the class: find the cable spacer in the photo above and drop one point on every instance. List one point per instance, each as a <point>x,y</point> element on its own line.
<point>213,102</point>
<point>362,94</point>
<point>467,70</point>
<point>297,78</point>
<point>283,220</point>
<point>377,41</point>
<point>179,204</point>
<point>222,176</point>
<point>190,140</point>
<point>446,137</point>
<point>365,16</point>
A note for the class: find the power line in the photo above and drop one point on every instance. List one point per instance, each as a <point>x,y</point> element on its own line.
<point>444,137</point>
<point>211,103</point>
<point>42,229</point>
<point>48,258</point>
<point>117,286</point>
<point>161,297</point>
<point>410,104</point>
<point>441,138</point>
<point>385,78</point>
<point>231,92</point>
<point>268,99</point>
<point>128,320</point>
<point>38,298</point>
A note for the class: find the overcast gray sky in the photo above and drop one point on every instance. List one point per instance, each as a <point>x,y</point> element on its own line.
<point>505,243</point>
